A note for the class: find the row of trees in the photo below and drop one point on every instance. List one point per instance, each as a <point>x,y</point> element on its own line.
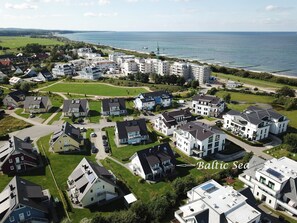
<point>168,79</point>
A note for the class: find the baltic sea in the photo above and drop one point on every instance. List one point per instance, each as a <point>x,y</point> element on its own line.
<point>260,51</point>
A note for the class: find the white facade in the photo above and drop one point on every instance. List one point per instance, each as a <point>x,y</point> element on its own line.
<point>81,52</point>
<point>148,101</point>
<point>233,84</point>
<point>199,139</point>
<point>90,73</point>
<point>201,73</point>
<point>212,203</point>
<point>208,105</point>
<point>62,70</point>
<point>104,64</point>
<point>180,69</point>
<point>87,185</point>
<point>255,124</point>
<point>129,67</point>
<point>274,182</point>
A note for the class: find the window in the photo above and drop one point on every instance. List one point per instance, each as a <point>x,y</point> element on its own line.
<point>11,219</point>
<point>270,185</point>
<point>269,201</point>
<point>262,180</point>
<point>103,186</point>
<point>92,199</point>
<point>10,161</point>
<point>28,213</point>
<point>11,167</point>
<point>257,193</point>
<point>22,157</point>
<point>91,191</point>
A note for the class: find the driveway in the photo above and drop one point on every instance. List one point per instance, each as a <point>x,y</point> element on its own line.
<point>98,142</point>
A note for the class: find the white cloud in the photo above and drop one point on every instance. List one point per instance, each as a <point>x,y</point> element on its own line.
<point>131,1</point>
<point>274,8</point>
<point>20,6</point>
<point>100,14</point>
<point>104,2</point>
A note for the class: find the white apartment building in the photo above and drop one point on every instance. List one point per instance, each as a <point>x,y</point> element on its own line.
<point>273,182</point>
<point>146,66</point>
<point>255,123</point>
<point>211,202</point>
<point>199,139</point>
<point>233,84</point>
<point>167,122</point>
<point>104,65</point>
<point>114,56</point>
<point>81,52</point>
<point>62,70</point>
<point>201,73</point>
<point>129,67</point>
<point>90,184</point>
<point>208,105</point>
<point>90,73</point>
<point>121,59</point>
<point>180,69</point>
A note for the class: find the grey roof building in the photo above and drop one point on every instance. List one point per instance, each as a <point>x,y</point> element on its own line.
<point>114,106</point>
<point>24,201</point>
<point>14,99</point>
<point>131,132</point>
<point>37,104</point>
<point>76,107</point>
<point>153,163</point>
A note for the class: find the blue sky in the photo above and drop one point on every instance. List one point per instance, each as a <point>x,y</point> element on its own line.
<point>151,15</point>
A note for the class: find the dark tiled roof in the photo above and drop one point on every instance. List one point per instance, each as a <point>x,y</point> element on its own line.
<point>107,103</point>
<point>125,126</point>
<point>46,74</point>
<point>17,95</point>
<point>40,101</point>
<point>71,131</point>
<point>290,189</point>
<point>153,155</point>
<point>207,98</point>
<point>170,117</point>
<point>149,96</point>
<point>200,130</point>
<point>81,104</point>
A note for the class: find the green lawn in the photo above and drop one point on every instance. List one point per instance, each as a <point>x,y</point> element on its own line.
<point>281,151</point>
<point>125,152</point>
<point>95,89</point>
<point>250,81</point>
<point>16,42</point>
<point>10,124</point>
<point>20,112</point>
<point>55,118</point>
<point>95,108</point>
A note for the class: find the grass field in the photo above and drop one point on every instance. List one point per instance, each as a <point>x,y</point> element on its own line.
<point>95,89</point>
<point>16,42</point>
<point>10,124</point>
<point>95,108</point>
<point>250,81</point>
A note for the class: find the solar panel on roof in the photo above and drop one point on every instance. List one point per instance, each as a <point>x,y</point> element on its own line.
<point>208,187</point>
<point>274,173</point>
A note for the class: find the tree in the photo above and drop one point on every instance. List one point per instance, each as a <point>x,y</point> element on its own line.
<point>25,86</point>
<point>33,48</point>
<point>291,140</point>
<point>194,83</point>
<point>286,91</point>
<point>212,91</point>
<point>227,98</point>
<point>158,108</point>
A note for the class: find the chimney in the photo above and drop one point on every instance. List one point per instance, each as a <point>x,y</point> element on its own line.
<point>204,130</point>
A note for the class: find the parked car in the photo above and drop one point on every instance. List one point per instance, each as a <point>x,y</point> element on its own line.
<point>106,149</point>
<point>105,142</point>
<point>93,134</point>
<point>82,129</point>
<point>32,116</point>
<point>104,137</point>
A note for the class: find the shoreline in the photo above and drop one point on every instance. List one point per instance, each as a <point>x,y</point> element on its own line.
<point>178,58</point>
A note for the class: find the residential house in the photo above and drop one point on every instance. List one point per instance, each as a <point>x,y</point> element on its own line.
<point>273,182</point>
<point>62,70</point>
<point>15,80</point>
<point>37,104</point>
<point>199,139</point>
<point>18,71</point>
<point>90,73</point>
<point>18,156</point>
<point>212,203</point>
<point>76,107</point>
<point>14,99</point>
<point>91,184</point>
<point>131,132</point>
<point>114,106</point>
<point>30,72</point>
<point>153,163</point>
<point>255,123</point>
<point>208,105</point>
<point>67,139</point>
<point>24,201</point>
<point>148,101</point>
<point>45,75</point>
<point>167,122</point>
